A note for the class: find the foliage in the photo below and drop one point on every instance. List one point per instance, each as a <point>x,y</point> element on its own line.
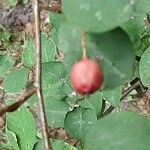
<point>116,32</point>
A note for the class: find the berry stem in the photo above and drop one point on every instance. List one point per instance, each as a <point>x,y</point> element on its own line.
<point>83,42</point>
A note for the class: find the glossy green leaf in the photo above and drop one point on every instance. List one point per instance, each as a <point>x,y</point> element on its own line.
<point>21,122</point>
<point>119,131</point>
<point>93,102</point>
<point>97,15</point>
<point>16,80</point>
<point>6,63</point>
<point>56,111</point>
<point>144,69</point>
<point>78,121</point>
<point>113,96</point>
<point>12,140</point>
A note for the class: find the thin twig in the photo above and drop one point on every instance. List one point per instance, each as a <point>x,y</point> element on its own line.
<point>24,97</point>
<point>38,71</point>
<point>125,93</point>
<point>83,42</point>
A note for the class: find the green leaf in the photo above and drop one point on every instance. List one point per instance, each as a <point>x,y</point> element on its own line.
<point>53,79</point>
<point>113,96</point>
<point>141,6</point>
<point>56,145</point>
<point>4,36</point>
<point>48,48</point>
<point>93,102</point>
<point>73,99</point>
<point>12,2</point>
<point>119,131</point>
<point>116,56</point>
<point>69,41</point>
<point>48,51</point>
<point>16,80</point>
<point>5,147</point>
<point>97,15</point>
<point>78,121</point>
<point>144,69</point>
<point>137,29</point>
<point>12,139</point>
<point>53,84</point>
<point>56,111</point>
<point>61,145</point>
<point>21,122</point>
<point>28,55</point>
<point>55,21</point>
<point>113,49</point>
<point>6,63</point>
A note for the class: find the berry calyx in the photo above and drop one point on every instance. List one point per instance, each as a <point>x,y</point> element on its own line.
<point>86,76</point>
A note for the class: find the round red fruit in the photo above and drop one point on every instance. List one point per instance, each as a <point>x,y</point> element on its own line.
<point>86,76</point>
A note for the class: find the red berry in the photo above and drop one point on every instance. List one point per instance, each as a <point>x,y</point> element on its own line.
<point>86,76</point>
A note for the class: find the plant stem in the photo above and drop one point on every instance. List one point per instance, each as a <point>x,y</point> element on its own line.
<point>24,97</point>
<point>126,92</point>
<point>83,42</point>
<point>38,77</point>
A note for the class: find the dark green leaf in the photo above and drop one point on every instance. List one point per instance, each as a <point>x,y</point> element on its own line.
<point>93,102</point>
<point>113,49</point>
<point>115,52</point>
<point>56,111</point>
<point>144,68</point>
<point>141,6</point>
<point>21,122</point>
<point>53,79</point>
<point>97,15</point>
<point>69,41</point>
<point>113,96</point>
<point>137,29</point>
<point>119,131</point>
<point>78,121</point>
